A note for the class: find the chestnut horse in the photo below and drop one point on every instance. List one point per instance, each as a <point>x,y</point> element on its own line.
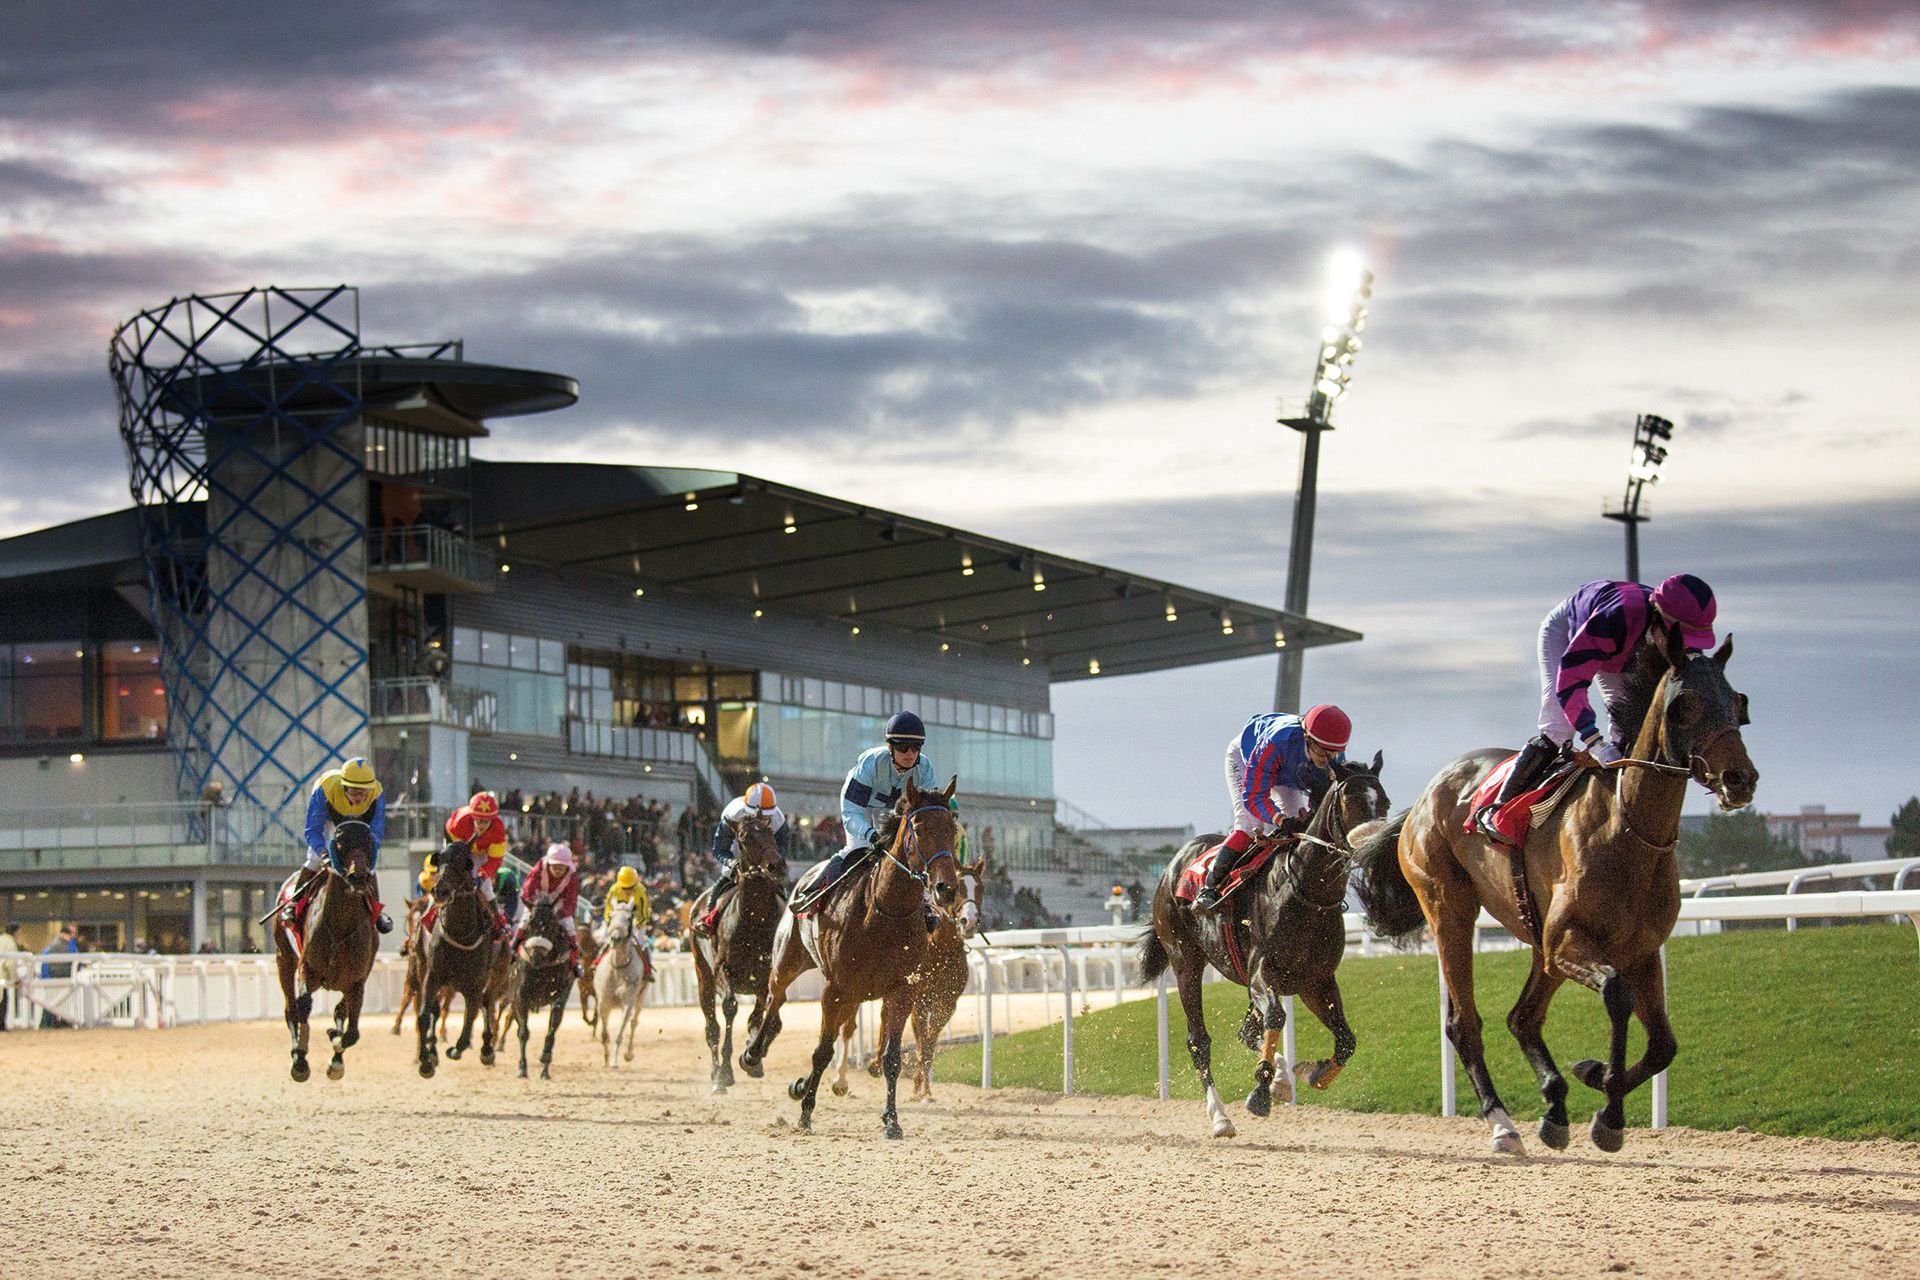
<point>1601,871</point>
<point>456,957</point>
<point>740,951</point>
<point>869,939</point>
<point>1289,934</point>
<point>339,948</point>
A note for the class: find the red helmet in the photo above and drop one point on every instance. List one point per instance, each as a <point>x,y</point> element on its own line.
<point>483,804</point>
<point>1327,726</point>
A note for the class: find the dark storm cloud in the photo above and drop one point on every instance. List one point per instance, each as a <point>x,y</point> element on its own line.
<point>27,183</point>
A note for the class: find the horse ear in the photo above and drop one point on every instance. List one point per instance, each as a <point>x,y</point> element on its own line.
<point>952,783</point>
<point>1724,652</point>
<point>1378,760</point>
<point>1676,649</point>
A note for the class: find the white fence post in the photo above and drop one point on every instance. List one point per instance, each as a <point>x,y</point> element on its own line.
<point>1289,1051</point>
<point>1160,1011</point>
<point>1066,1044</point>
<point>986,1020</point>
<point>1660,1081</point>
<point>1447,1100</point>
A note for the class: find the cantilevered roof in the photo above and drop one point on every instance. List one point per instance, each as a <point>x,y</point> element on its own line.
<point>103,549</point>
<point>720,533</point>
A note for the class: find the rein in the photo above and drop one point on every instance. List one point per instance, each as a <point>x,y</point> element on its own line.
<point>440,923</point>
<point>1341,850</point>
<point>911,838</point>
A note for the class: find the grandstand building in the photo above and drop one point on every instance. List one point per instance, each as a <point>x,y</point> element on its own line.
<point>317,566</point>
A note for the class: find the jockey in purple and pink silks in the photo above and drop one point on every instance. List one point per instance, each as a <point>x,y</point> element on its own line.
<point>1590,641</point>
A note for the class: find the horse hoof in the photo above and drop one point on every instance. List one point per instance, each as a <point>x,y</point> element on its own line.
<point>426,1071</point>
<point>893,1130</point>
<point>1260,1103</point>
<point>1591,1074</point>
<point>719,1089</point>
<point>545,1074</point>
<point>806,1124</point>
<point>1554,1135</point>
<point>1508,1143</point>
<point>336,1070</point>
<point>301,1071</point>
<point>1223,1128</point>
<point>523,1073</point>
<point>453,1054</point>
<point>1605,1136</point>
<point>396,1031</point>
<point>840,1088</point>
<point>751,1066</point>
<point>486,1058</point>
<point>798,1089</point>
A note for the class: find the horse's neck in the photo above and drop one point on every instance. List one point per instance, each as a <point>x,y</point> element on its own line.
<point>1650,799</point>
<point>893,884</point>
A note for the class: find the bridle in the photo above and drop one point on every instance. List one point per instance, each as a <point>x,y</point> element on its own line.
<point>463,887</point>
<point>910,837</point>
<point>1339,847</point>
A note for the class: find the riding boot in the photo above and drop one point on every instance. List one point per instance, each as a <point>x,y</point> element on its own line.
<point>290,909</point>
<point>381,920</point>
<point>573,954</point>
<point>1536,758</point>
<point>711,916</point>
<point>500,924</point>
<point>1232,849</point>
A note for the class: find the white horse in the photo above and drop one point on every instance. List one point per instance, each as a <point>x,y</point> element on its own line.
<point>619,980</point>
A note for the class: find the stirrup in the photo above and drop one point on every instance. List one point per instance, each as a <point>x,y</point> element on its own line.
<point>1207,901</point>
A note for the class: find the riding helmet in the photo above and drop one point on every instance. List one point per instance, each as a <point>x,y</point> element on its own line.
<point>904,726</point>
<point>1688,603</point>
<point>483,805</point>
<point>760,796</point>
<point>1327,726</point>
<point>627,878</point>
<point>357,773</point>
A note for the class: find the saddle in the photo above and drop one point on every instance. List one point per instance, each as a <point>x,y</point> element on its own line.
<point>1194,878</point>
<point>808,893</point>
<point>1525,812</point>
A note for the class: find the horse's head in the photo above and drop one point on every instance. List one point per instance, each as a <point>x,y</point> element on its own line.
<point>759,848</point>
<point>453,867</point>
<point>1701,715</point>
<point>1354,797</point>
<point>620,924</point>
<point>351,853</point>
<point>544,918</point>
<point>928,836</point>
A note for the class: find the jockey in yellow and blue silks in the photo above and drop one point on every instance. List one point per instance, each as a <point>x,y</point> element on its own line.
<point>349,793</point>
<point>872,787</point>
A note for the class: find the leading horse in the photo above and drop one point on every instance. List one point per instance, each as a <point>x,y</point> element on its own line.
<point>456,956</point>
<point>338,950</point>
<point>869,939</point>
<point>1600,869</point>
<point>739,953</point>
<point>1281,935</point>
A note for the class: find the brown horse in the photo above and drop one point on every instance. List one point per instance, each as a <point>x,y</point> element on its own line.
<point>740,951</point>
<point>1287,937</point>
<point>457,959</point>
<point>1600,869</point>
<point>339,948</point>
<point>542,975</point>
<point>869,939</point>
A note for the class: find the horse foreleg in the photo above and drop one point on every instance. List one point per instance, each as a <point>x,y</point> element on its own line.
<point>894,1012</point>
<point>558,1012</point>
<point>807,1088</point>
<point>1610,1122</point>
<point>488,1039</point>
<point>428,1033</point>
<point>707,979</point>
<point>1200,1046</point>
<point>1650,1004</point>
<point>1451,911</point>
<point>299,1006</point>
<point>630,1027</point>
<point>925,1038</point>
<point>1528,1022</point>
<point>729,1008</point>
<point>847,1031</point>
<point>520,1017</point>
<point>792,961</point>
<point>409,995</point>
<point>1273,1020</point>
<point>1323,999</point>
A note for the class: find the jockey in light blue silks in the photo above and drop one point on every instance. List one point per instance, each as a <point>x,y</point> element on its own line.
<point>874,783</point>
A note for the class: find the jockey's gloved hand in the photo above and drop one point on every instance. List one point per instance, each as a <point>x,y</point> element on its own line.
<point>1597,750</point>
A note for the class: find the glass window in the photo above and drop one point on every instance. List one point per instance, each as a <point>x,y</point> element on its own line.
<point>553,657</point>
<point>523,653</point>
<point>49,692</point>
<point>943,711</point>
<point>493,649</point>
<point>834,698</point>
<point>997,721</point>
<point>466,644</point>
<point>813,692</point>
<point>133,703</point>
<point>872,701</point>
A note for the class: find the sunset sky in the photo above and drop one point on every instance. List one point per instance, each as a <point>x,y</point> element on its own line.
<point>1075,252</point>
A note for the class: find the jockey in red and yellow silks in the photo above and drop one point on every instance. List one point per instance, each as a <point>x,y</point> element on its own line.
<point>477,825</point>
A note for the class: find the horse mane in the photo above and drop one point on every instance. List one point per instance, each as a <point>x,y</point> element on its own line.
<point>1641,681</point>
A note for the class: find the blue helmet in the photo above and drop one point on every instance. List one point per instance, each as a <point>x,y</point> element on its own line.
<point>904,726</point>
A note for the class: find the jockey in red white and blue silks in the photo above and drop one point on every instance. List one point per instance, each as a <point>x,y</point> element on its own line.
<point>1590,641</point>
<point>1273,765</point>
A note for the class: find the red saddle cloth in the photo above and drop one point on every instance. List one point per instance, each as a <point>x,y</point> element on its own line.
<point>1514,819</point>
<point>1195,876</point>
<point>299,929</point>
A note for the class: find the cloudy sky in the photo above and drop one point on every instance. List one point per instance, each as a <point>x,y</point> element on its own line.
<point>1075,250</point>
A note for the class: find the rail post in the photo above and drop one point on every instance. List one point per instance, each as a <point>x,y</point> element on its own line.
<point>1066,1043</point>
<point>1793,887</point>
<point>1447,1107</point>
<point>986,1019</point>
<point>1289,1053</point>
<point>1119,974</point>
<point>1160,1017</point>
<point>1660,1081</point>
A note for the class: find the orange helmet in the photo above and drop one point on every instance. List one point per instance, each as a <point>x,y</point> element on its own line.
<point>483,804</point>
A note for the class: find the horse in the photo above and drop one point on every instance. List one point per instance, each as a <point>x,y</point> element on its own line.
<point>1600,869</point>
<point>869,939</point>
<point>1289,927</point>
<point>416,961</point>
<point>939,989</point>
<point>620,978</point>
<point>589,956</point>
<point>457,954</point>
<point>739,953</point>
<point>338,951</point>
<point>542,975</point>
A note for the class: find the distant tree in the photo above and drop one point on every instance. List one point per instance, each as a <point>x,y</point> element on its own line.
<point>1904,840</point>
<point>1736,842</point>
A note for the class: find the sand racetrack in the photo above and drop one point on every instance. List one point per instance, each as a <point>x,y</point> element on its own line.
<point>189,1153</point>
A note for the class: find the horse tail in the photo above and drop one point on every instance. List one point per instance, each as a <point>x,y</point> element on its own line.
<point>1392,910</point>
<point>1153,955</point>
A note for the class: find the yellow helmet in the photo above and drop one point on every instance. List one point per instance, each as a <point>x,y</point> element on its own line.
<point>427,879</point>
<point>357,773</point>
<point>627,878</point>
<point>760,796</point>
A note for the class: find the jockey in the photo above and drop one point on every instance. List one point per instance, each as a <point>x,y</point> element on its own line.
<point>1273,766</point>
<point>1592,638</point>
<point>627,888</point>
<point>349,792</point>
<point>875,782</point>
<point>477,825</point>
<point>419,903</point>
<point>759,799</point>
<point>554,877</point>
<point>508,885</point>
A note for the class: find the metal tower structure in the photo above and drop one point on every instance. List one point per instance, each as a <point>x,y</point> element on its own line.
<point>241,418</point>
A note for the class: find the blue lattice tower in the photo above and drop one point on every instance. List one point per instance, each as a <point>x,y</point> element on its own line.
<point>241,417</point>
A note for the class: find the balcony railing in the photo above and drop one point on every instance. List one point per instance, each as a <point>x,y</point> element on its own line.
<point>424,700</point>
<point>184,833</point>
<point>634,742</point>
<point>431,558</point>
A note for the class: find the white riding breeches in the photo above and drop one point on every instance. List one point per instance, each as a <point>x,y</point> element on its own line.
<point>1607,687</point>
